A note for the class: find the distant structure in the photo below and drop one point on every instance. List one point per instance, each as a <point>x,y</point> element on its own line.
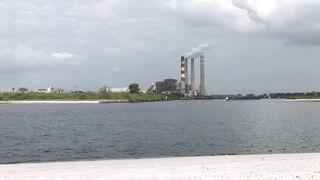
<point>193,85</point>
<point>202,78</point>
<point>57,90</point>
<point>42,91</point>
<point>167,86</point>
<point>111,89</point>
<point>185,89</point>
<point>160,87</point>
<point>11,90</point>
<point>183,76</point>
<point>51,90</point>
<point>152,88</point>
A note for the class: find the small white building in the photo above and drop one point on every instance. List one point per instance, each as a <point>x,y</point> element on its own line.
<point>57,90</point>
<point>42,90</point>
<point>51,90</point>
<point>110,89</point>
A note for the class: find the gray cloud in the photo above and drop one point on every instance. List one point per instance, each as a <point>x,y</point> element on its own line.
<point>252,13</point>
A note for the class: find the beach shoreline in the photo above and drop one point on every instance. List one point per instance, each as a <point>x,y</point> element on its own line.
<point>65,102</point>
<point>302,100</point>
<point>271,166</point>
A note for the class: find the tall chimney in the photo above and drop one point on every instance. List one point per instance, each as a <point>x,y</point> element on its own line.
<point>202,78</point>
<point>183,78</point>
<point>186,75</point>
<point>192,77</point>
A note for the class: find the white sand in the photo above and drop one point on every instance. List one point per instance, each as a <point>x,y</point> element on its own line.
<point>251,167</point>
<point>303,100</point>
<point>64,102</point>
<point>49,102</point>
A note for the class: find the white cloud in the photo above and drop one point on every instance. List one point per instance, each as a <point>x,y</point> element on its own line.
<point>23,55</point>
<point>62,55</point>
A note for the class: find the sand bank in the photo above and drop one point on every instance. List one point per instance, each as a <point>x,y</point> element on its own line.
<point>64,102</point>
<point>285,166</point>
<point>303,100</point>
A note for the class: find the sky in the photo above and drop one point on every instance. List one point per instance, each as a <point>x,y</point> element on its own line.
<point>253,46</point>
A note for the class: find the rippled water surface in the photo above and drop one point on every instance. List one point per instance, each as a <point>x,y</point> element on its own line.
<point>41,133</point>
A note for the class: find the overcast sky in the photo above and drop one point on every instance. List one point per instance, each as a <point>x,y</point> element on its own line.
<point>257,46</point>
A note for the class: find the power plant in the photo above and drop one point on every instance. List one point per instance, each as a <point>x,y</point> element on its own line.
<point>185,88</point>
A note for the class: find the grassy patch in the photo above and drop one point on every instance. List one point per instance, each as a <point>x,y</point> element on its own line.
<point>304,97</point>
<point>133,97</point>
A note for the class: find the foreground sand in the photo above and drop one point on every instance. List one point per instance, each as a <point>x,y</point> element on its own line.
<point>285,166</point>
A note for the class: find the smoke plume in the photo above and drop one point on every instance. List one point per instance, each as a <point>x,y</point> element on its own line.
<point>198,51</point>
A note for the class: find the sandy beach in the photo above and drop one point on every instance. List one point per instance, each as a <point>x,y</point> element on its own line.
<point>249,167</point>
<point>64,102</point>
<point>302,100</point>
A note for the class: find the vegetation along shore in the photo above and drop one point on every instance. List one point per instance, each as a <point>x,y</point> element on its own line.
<point>81,96</point>
<point>103,96</point>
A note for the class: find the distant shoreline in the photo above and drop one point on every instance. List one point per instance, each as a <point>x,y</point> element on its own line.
<point>112,101</point>
<point>65,101</point>
<point>303,100</point>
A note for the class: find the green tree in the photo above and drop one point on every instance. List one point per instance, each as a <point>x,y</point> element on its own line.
<point>314,94</point>
<point>23,90</point>
<point>134,88</point>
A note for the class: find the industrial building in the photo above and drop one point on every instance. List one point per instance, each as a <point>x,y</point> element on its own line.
<point>185,88</point>
<point>168,86</point>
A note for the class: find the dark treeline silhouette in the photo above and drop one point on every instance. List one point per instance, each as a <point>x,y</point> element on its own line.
<point>294,95</point>
<point>279,95</point>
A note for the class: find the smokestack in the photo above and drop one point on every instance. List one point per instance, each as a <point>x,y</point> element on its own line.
<point>202,78</point>
<point>182,83</point>
<point>186,75</point>
<point>192,77</point>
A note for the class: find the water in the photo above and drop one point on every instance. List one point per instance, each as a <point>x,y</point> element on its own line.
<point>43,133</point>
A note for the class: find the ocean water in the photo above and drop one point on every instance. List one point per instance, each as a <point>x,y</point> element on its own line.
<point>68,132</point>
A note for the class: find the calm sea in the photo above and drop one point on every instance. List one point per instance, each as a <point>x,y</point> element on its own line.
<point>42,133</point>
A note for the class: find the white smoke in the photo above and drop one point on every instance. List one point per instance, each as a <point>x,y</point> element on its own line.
<point>198,51</point>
